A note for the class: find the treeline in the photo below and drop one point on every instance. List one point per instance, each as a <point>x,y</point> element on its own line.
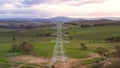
<point>26,26</point>
<point>44,35</point>
<point>17,27</point>
<point>34,24</point>
<point>113,39</point>
<point>93,23</point>
<point>85,25</point>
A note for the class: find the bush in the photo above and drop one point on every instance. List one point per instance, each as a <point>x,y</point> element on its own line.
<point>98,64</point>
<point>23,47</point>
<point>102,51</point>
<point>70,38</point>
<point>118,51</point>
<point>115,64</point>
<point>83,46</point>
<point>26,47</point>
<point>14,48</point>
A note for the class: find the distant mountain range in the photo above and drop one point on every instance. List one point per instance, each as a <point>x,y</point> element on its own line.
<point>60,19</point>
<point>28,23</point>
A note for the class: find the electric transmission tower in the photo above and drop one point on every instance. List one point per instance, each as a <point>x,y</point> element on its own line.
<point>59,55</point>
<point>11,58</point>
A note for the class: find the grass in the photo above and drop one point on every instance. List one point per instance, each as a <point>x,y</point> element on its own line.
<point>3,59</point>
<point>93,33</point>
<point>90,61</point>
<point>4,65</point>
<point>44,48</point>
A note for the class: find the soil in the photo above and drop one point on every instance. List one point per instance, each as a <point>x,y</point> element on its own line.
<point>71,62</point>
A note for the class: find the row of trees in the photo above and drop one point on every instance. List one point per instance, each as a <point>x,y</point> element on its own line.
<point>113,39</point>
<point>103,24</point>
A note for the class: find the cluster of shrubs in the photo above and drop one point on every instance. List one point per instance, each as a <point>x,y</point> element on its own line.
<point>22,47</point>
<point>108,59</point>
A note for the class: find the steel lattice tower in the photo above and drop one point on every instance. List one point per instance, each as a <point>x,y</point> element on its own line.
<point>59,55</point>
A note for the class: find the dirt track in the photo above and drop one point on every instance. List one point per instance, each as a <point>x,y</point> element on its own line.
<point>45,61</point>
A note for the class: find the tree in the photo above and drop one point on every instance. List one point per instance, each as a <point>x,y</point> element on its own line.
<point>26,47</point>
<point>70,37</point>
<point>102,51</point>
<point>98,64</point>
<point>23,47</point>
<point>67,33</point>
<point>118,50</point>
<point>14,48</point>
<point>114,64</point>
<point>13,39</point>
<point>83,46</point>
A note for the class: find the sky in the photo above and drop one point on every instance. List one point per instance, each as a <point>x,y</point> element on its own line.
<point>53,8</point>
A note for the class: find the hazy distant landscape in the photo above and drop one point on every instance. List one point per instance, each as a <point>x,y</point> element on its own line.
<point>28,23</point>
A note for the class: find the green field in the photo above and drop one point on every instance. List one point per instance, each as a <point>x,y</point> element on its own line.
<point>44,48</point>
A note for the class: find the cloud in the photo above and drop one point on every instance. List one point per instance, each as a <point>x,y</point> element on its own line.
<point>5,1</point>
<point>83,2</point>
<point>2,12</point>
<point>2,2</point>
<point>23,14</point>
<point>10,10</point>
<point>34,2</point>
<point>51,8</point>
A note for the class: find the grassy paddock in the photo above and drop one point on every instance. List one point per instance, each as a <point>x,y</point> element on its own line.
<point>44,48</point>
